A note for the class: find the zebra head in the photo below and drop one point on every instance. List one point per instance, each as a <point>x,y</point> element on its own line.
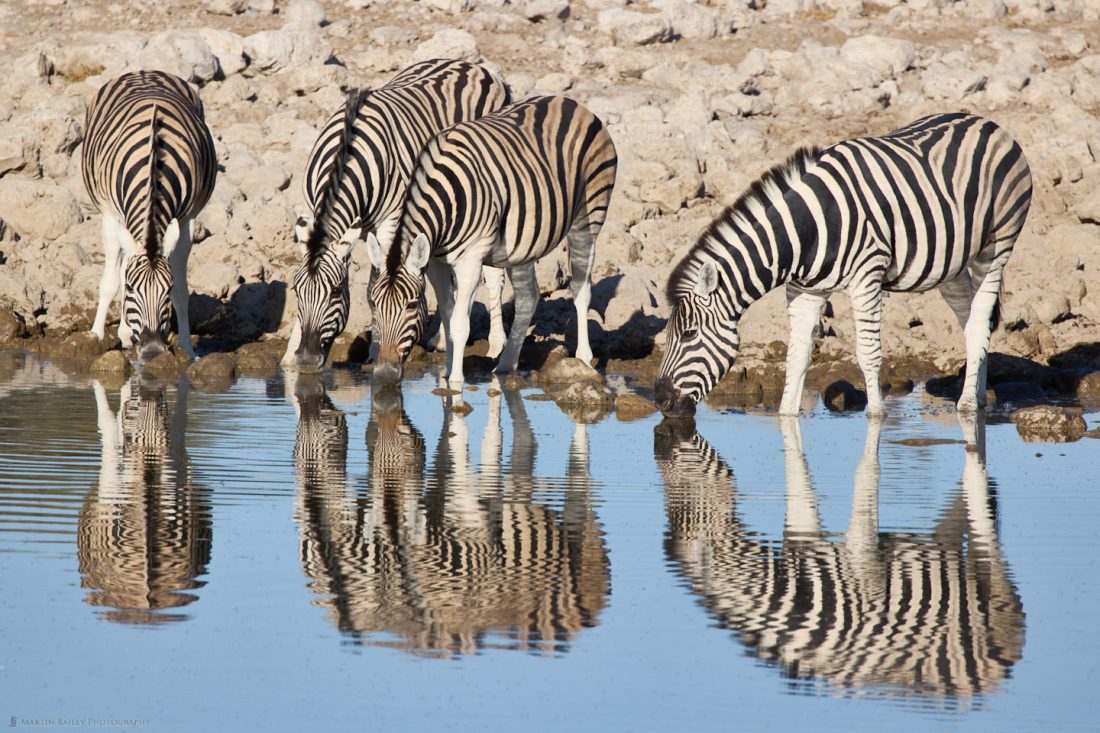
<point>321,287</point>
<point>398,304</point>
<point>146,304</point>
<point>701,343</point>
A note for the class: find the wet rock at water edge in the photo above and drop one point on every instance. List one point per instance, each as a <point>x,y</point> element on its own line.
<point>348,348</point>
<point>12,326</point>
<point>842,395</point>
<point>1019,393</point>
<point>568,371</point>
<point>113,362</point>
<point>630,406</point>
<point>83,345</point>
<point>167,366</point>
<point>588,395</point>
<point>213,372</point>
<point>1050,424</point>
<point>1088,389</point>
<point>260,357</point>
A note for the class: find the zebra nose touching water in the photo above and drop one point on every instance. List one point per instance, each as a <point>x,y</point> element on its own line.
<point>503,190</point>
<point>936,204</point>
<point>149,166</point>
<point>355,181</point>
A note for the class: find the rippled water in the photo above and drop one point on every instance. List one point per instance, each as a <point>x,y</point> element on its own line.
<point>315,555</point>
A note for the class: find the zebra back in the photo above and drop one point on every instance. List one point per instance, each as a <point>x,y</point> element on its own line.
<point>361,163</point>
<point>526,174</point>
<point>148,157</point>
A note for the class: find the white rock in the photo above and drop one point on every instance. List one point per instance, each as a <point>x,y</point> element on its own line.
<point>37,210</point>
<point>271,51</point>
<point>755,64</point>
<point>1088,210</point>
<point>632,27</point>
<point>540,10</point>
<point>943,81</point>
<point>554,82</point>
<point>888,56</point>
<point>390,35</point>
<point>228,49</point>
<point>305,13</point>
<point>450,43</point>
<point>182,52</point>
<point>689,19</point>
<point>226,7</point>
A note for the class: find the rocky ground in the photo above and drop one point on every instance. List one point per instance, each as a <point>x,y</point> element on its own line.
<point>700,97</point>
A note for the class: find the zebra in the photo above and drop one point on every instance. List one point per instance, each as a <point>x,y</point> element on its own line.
<point>502,190</point>
<point>144,533</point>
<point>938,203</point>
<point>148,165</point>
<point>355,181</point>
<point>931,615</point>
<point>463,556</point>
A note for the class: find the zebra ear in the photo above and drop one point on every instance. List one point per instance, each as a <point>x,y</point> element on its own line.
<point>301,233</point>
<point>418,253</point>
<point>170,238</point>
<point>708,280</point>
<point>374,252</point>
<point>351,236</point>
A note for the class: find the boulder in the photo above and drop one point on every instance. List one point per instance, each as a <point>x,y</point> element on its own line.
<point>12,326</point>
<point>887,56</point>
<point>37,210</point>
<point>1050,424</point>
<point>568,370</point>
<point>842,395</point>
<point>112,362</point>
<point>630,27</point>
<point>451,43</point>
<point>630,406</point>
<point>586,402</point>
<point>213,372</point>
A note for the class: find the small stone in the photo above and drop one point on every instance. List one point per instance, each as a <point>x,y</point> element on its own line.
<point>445,392</point>
<point>450,43</point>
<point>1050,424</point>
<point>214,372</point>
<point>630,406</point>
<point>113,362</point>
<point>514,382</point>
<point>164,365</point>
<point>461,408</point>
<point>259,356</point>
<point>842,395</point>
<point>568,370</point>
<point>493,392</point>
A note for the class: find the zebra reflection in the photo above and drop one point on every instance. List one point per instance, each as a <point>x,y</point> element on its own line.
<point>144,533</point>
<point>469,556</point>
<point>930,615</point>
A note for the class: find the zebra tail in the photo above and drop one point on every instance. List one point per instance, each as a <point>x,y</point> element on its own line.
<point>152,243</point>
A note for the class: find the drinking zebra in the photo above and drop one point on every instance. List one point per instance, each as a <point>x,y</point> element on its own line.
<point>916,614</point>
<point>356,179</point>
<point>936,204</point>
<point>149,165</point>
<point>502,190</point>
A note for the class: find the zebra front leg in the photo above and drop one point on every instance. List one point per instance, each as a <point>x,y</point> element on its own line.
<point>112,276</point>
<point>867,313</point>
<point>439,275</point>
<point>467,275</point>
<point>582,253</point>
<point>494,293</point>
<point>526,288</point>
<point>180,293</point>
<point>804,313</point>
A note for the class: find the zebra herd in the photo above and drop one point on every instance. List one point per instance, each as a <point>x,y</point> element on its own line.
<point>444,176</point>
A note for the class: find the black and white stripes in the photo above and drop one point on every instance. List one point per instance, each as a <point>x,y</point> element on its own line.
<point>149,166</point>
<point>503,190</point>
<point>938,203</point>
<point>356,178</point>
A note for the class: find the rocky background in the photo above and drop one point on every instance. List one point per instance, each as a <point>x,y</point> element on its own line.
<point>700,97</point>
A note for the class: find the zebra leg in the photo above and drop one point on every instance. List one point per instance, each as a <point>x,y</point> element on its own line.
<point>494,293</point>
<point>978,330</point>
<point>526,287</point>
<point>867,313</point>
<point>295,342</point>
<point>112,277</point>
<point>582,253</point>
<point>802,521</point>
<point>439,275</point>
<point>804,313</point>
<point>180,293</point>
<point>467,276</point>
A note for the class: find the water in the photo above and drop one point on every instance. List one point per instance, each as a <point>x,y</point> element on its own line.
<point>293,555</point>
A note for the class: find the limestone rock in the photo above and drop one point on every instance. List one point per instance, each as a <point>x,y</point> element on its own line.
<point>630,406</point>
<point>213,373</point>
<point>112,362</point>
<point>450,43</point>
<point>1050,424</point>
<point>630,27</point>
<point>568,371</point>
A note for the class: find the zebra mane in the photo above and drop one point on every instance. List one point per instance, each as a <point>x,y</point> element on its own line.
<point>152,241</point>
<point>764,191</point>
<point>331,190</point>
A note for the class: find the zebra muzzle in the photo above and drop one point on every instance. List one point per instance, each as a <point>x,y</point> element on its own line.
<point>149,345</point>
<point>671,401</point>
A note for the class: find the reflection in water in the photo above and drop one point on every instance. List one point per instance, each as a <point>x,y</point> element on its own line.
<point>470,557</point>
<point>930,616</point>
<point>144,533</point>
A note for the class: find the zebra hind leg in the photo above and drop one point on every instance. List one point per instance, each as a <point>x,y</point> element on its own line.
<point>180,293</point>
<point>494,292</point>
<point>582,253</point>
<point>978,327</point>
<point>526,287</point>
<point>867,313</point>
<point>804,312</point>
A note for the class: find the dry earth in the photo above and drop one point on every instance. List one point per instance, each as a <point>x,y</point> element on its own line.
<point>700,97</point>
